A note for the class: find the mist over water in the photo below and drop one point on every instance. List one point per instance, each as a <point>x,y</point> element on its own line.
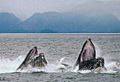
<point>57,48</point>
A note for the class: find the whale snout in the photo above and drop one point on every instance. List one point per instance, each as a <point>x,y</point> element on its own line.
<point>40,61</point>
<point>99,62</point>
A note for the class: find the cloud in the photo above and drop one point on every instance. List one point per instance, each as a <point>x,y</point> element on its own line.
<point>99,6</point>
<point>26,8</point>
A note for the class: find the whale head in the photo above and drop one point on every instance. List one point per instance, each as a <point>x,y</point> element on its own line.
<point>28,59</point>
<point>99,62</point>
<point>40,61</point>
<point>88,52</point>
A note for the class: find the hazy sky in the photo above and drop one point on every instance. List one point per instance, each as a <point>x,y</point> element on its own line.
<point>25,8</point>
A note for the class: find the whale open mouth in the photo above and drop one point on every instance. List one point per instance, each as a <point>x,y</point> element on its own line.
<point>34,59</point>
<point>87,57</point>
<point>87,53</point>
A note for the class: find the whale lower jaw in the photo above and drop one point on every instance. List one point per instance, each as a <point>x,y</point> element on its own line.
<point>99,70</point>
<point>40,65</point>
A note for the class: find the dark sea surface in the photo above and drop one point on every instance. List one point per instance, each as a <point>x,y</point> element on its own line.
<point>14,48</point>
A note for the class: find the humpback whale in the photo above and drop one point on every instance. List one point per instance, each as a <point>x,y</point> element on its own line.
<point>34,59</point>
<point>87,58</point>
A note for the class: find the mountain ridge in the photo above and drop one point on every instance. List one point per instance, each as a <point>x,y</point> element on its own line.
<point>55,22</point>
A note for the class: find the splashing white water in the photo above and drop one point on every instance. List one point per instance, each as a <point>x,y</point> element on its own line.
<point>8,66</point>
<point>111,66</point>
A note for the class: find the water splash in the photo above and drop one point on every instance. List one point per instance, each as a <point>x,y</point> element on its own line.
<point>98,51</point>
<point>111,66</point>
<point>9,66</point>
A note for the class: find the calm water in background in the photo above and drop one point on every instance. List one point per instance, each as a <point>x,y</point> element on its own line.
<point>56,46</point>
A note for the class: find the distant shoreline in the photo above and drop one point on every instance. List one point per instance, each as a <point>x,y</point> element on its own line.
<point>59,33</point>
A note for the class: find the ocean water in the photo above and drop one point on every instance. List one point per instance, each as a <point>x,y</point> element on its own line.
<point>57,48</point>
